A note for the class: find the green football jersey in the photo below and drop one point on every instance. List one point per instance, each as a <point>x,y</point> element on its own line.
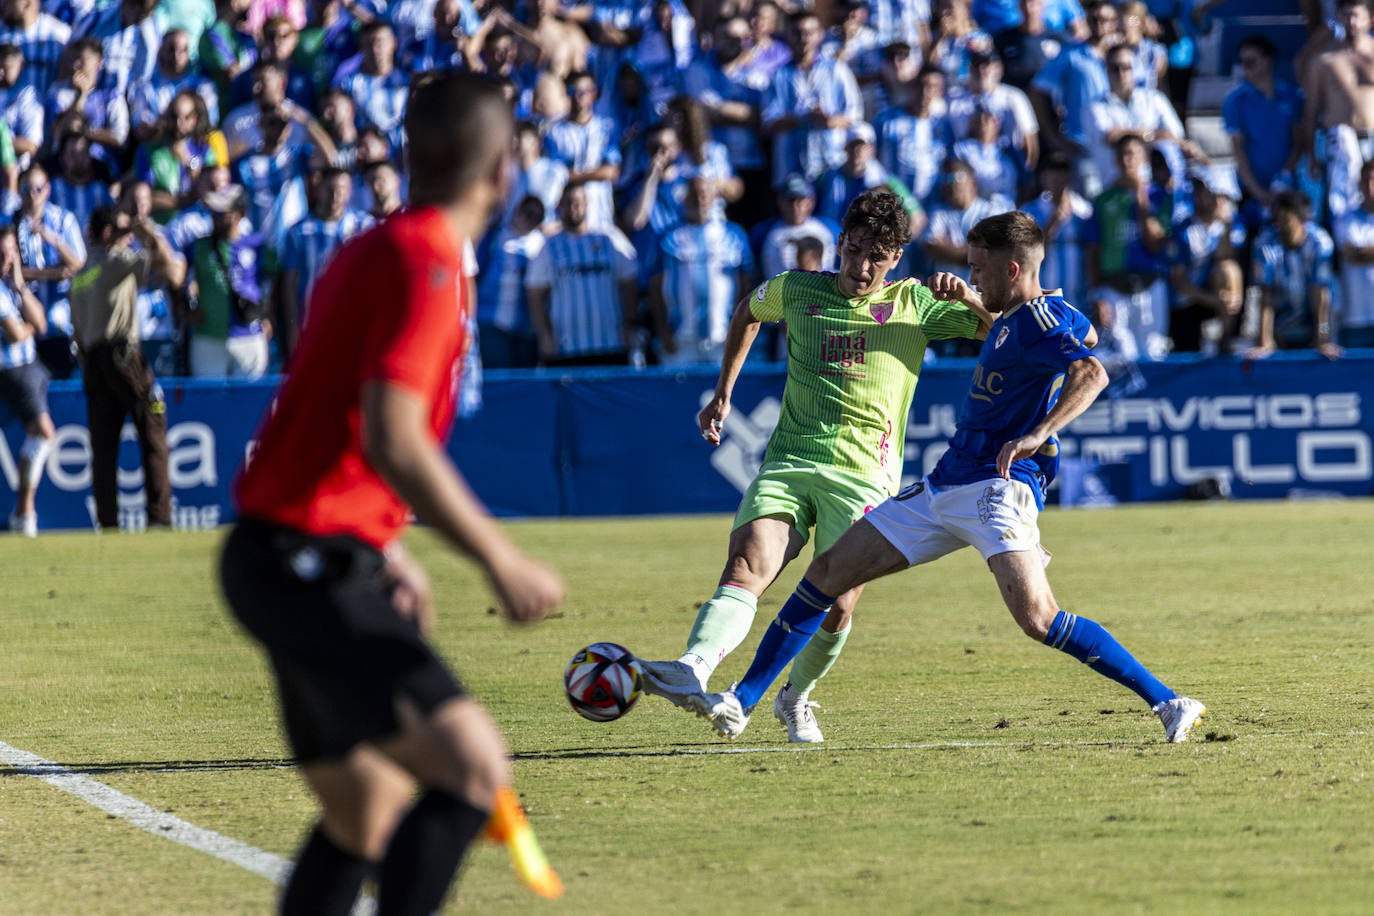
<point>852,366</point>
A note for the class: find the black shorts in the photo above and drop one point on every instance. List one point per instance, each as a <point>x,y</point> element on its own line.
<point>341,654</point>
<point>25,390</point>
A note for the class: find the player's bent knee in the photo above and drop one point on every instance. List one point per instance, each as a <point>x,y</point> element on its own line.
<point>1035,619</point>
<point>471,760</point>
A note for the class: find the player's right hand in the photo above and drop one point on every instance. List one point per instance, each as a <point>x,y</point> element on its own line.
<point>528,590</point>
<point>948,287</point>
<point>711,420</point>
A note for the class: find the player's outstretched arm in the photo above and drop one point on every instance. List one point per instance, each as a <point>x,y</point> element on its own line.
<point>950,287</point>
<point>397,442</point>
<point>744,327</point>
<point>1083,381</point>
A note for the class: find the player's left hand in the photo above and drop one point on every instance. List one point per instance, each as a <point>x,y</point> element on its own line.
<point>1015,450</point>
<point>411,595</point>
<point>1331,350</point>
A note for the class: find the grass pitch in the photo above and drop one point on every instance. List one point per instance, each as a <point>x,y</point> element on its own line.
<point>966,770</point>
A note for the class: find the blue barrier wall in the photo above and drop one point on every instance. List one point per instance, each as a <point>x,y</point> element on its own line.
<point>626,443</point>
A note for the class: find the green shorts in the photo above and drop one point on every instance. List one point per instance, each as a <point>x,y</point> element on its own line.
<point>813,496</point>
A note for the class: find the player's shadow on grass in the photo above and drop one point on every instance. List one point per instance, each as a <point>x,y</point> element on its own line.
<point>78,768</point>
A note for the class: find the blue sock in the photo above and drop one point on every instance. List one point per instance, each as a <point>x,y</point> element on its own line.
<point>1088,642</point>
<point>786,636</point>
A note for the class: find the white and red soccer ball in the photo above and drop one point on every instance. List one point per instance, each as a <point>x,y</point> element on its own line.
<point>603,681</point>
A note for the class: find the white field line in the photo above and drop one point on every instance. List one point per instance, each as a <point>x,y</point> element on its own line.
<point>145,817</point>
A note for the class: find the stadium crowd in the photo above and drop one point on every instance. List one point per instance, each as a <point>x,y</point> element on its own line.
<point>672,152</point>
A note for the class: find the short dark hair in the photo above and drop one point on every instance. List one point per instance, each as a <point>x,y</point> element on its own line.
<point>882,213</point>
<point>1126,140</point>
<point>87,43</point>
<point>1294,202</point>
<point>1260,44</point>
<point>102,218</point>
<point>533,204</point>
<point>1013,232</point>
<point>458,125</point>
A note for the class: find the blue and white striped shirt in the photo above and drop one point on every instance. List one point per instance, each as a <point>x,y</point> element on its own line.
<point>702,264</point>
<point>501,297</point>
<point>582,148</point>
<point>23,111</point>
<point>14,354</point>
<point>828,85</point>
<point>80,200</point>
<point>105,108</point>
<point>545,179</point>
<point>583,273</point>
<point>310,243</point>
<point>42,44</point>
<point>381,101</point>
<point>263,175</point>
<point>899,20</point>
<point>912,148</point>
<point>130,51</point>
<point>37,254</point>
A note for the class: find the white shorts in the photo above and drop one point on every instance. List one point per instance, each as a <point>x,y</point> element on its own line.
<point>994,516</point>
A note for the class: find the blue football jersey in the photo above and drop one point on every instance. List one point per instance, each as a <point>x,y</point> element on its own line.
<point>1015,384</point>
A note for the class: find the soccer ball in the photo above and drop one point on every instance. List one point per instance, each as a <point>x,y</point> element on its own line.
<point>603,681</point>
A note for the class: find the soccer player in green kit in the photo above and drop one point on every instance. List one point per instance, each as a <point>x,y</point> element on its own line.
<point>855,344</point>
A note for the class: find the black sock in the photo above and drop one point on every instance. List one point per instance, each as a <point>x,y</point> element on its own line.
<point>424,854</point>
<point>326,879</point>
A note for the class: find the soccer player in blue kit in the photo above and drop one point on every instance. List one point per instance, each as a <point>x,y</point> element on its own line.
<point>1035,374</point>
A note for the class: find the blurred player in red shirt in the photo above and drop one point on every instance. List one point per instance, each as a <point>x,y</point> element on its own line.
<point>314,568</point>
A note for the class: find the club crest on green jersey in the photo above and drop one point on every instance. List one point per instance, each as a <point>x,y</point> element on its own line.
<point>881,311</point>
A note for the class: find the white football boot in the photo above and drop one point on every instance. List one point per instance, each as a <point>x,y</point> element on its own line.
<point>1180,716</point>
<point>793,710</point>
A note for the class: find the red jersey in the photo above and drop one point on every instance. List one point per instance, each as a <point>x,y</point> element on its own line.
<point>390,307</point>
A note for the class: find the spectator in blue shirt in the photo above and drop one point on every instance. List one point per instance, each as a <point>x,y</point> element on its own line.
<point>130,35</point>
<point>20,104</point>
<point>39,37</point>
<point>1206,279</point>
<point>1294,273</point>
<point>705,266</point>
<point>276,44</point>
<point>309,245</point>
<point>149,98</point>
<point>53,248</point>
<point>837,188</point>
<point>105,114</point>
<point>77,185</point>
<point>915,136</point>
<point>506,333</point>
<point>378,88</point>
<point>733,107</point>
<point>810,106</point>
<point>1263,116</point>
<point>1068,87</point>
<point>586,143</point>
